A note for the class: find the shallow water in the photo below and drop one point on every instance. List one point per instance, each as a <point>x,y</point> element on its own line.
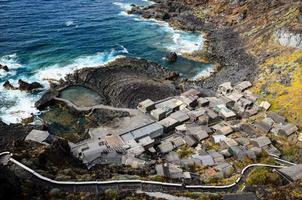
<point>81,96</point>
<point>43,40</point>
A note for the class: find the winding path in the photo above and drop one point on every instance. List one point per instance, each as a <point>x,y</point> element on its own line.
<point>122,185</point>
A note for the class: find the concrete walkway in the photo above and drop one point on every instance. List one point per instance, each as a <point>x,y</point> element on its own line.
<point>129,184</point>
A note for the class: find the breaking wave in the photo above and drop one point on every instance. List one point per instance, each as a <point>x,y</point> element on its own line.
<point>17,105</point>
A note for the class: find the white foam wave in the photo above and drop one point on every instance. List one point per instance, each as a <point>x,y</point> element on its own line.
<point>123,6</point>
<point>204,73</point>
<point>180,41</point>
<point>69,23</point>
<point>16,105</point>
<point>11,62</point>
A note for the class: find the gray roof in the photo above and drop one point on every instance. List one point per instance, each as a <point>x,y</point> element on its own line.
<point>180,116</point>
<point>243,86</point>
<point>261,141</point>
<point>206,160</point>
<point>146,130</point>
<point>262,126</point>
<point>37,136</point>
<point>288,129</point>
<point>293,172</point>
<point>166,147</point>
<point>277,118</point>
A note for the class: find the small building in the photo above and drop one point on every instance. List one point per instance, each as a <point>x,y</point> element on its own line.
<point>198,133</point>
<point>180,116</point>
<point>146,106</point>
<point>224,112</point>
<point>288,129</point>
<point>235,96</point>
<point>272,150</point>
<point>292,173</point>
<point>261,141</point>
<point>160,113</point>
<point>196,113</point>
<point>228,142</point>
<point>203,119</point>
<point>226,168</point>
<point>170,104</point>
<point>237,152</point>
<point>146,142</point>
<point>265,105</point>
<point>203,102</point>
<point>190,101</point>
<point>225,88</point>
<point>218,138</point>
<point>247,129</point>
<point>153,130</point>
<point>277,118</point>
<point>181,128</point>
<point>169,170</point>
<point>178,141</point>
<point>137,150</point>
<point>191,93</point>
<point>165,147</point>
<point>243,86</point>
<point>242,141</point>
<point>38,136</point>
<point>189,140</point>
<point>262,126</point>
<point>132,161</point>
<point>168,124</point>
<point>214,118</point>
<point>206,160</point>
<point>217,157</point>
<point>172,157</point>
<point>223,128</point>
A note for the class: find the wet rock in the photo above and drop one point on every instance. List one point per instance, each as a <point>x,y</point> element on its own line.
<point>4,67</point>
<point>171,57</point>
<point>24,86</point>
<point>46,99</point>
<point>7,85</point>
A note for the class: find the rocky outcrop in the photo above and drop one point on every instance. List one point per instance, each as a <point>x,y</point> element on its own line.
<point>171,57</point>
<point>7,85</point>
<point>289,39</point>
<point>29,87</point>
<point>46,99</point>
<point>4,67</point>
<point>11,134</point>
<point>23,86</point>
<point>123,83</point>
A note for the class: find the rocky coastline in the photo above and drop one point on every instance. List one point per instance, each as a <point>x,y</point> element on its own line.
<point>223,45</point>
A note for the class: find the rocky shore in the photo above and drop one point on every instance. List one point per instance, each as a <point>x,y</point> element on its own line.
<point>122,83</point>
<point>223,45</point>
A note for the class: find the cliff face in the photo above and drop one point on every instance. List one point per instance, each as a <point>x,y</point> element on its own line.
<point>252,40</point>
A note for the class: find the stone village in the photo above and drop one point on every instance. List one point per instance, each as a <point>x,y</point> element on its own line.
<point>189,137</point>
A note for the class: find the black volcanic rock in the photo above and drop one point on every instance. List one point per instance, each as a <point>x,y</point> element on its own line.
<point>24,86</point>
<point>171,57</point>
<point>7,85</point>
<point>46,99</point>
<point>4,67</point>
<point>123,83</point>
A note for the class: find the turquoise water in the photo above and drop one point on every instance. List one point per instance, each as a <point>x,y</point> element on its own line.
<point>43,40</point>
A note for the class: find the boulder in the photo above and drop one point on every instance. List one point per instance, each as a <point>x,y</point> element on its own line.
<point>7,85</point>
<point>24,86</point>
<point>4,67</point>
<point>171,57</point>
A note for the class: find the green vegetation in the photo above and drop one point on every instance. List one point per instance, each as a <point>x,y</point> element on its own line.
<point>262,176</point>
<point>185,151</point>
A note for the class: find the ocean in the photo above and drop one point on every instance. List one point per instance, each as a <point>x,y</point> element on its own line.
<point>47,39</point>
